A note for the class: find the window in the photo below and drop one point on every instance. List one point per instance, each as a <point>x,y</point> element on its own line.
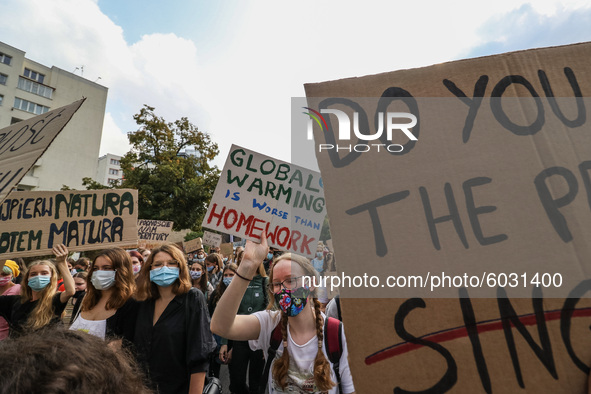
<point>113,171</point>
<point>115,162</point>
<point>29,106</point>
<point>113,182</point>
<point>3,79</point>
<point>34,87</point>
<point>35,76</point>
<point>5,58</point>
<point>1,99</point>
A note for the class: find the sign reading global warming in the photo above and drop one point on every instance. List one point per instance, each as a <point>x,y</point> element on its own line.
<point>32,223</point>
<point>257,192</point>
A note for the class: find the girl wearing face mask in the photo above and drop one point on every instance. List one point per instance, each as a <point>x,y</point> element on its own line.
<point>172,336</point>
<point>80,280</point>
<point>8,287</point>
<point>137,261</point>
<point>39,304</point>
<point>214,265</point>
<point>301,361</point>
<point>199,280</point>
<point>243,358</point>
<point>223,352</point>
<point>108,308</point>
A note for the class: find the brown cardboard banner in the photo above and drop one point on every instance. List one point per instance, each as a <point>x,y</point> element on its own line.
<point>212,239</point>
<point>153,232</point>
<point>192,245</point>
<point>257,192</point>
<point>22,143</point>
<point>497,184</point>
<point>31,223</point>
<point>227,249</point>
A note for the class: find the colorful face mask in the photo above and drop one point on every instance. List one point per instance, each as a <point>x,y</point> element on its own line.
<point>136,268</point>
<point>4,280</point>
<point>195,274</point>
<point>292,302</point>
<point>39,282</point>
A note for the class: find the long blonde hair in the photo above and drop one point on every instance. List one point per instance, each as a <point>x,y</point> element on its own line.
<point>43,312</point>
<point>322,368</point>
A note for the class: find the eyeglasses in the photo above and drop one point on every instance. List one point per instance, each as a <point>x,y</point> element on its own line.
<point>288,284</point>
<point>171,263</point>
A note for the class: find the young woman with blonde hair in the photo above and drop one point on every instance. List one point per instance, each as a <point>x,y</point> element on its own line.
<point>107,308</point>
<point>172,336</point>
<point>39,304</point>
<point>304,366</point>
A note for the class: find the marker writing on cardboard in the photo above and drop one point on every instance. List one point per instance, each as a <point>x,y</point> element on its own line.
<point>472,329</point>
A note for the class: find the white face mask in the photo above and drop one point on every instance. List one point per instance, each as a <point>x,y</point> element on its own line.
<point>103,280</point>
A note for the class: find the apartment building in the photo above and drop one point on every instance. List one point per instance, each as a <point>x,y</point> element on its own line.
<point>109,171</point>
<point>27,89</point>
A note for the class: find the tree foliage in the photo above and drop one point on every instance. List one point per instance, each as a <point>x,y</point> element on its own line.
<point>171,184</point>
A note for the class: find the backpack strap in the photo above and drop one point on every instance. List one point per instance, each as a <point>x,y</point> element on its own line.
<point>333,343</point>
<point>276,339</point>
<point>337,300</point>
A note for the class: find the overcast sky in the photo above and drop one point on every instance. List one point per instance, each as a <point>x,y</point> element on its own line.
<point>232,66</point>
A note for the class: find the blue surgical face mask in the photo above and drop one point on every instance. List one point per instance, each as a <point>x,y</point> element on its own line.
<point>210,268</point>
<point>269,256</point>
<point>195,274</point>
<point>319,254</point>
<point>201,260</point>
<point>227,280</point>
<point>164,276</point>
<point>103,280</point>
<point>39,282</point>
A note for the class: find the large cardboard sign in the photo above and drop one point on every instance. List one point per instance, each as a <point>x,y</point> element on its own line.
<point>22,143</point>
<point>32,223</point>
<point>192,245</point>
<point>257,192</point>
<point>212,239</point>
<point>497,182</point>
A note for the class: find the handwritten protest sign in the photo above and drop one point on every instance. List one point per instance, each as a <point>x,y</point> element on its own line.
<point>192,245</point>
<point>226,249</point>
<point>257,192</point>
<point>212,239</point>
<point>22,143</point>
<point>153,230</point>
<point>31,223</point>
<point>497,182</point>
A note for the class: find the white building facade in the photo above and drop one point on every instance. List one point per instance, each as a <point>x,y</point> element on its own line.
<point>27,89</point>
<point>108,171</point>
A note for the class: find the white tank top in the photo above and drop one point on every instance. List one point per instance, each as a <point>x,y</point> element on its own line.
<point>94,327</point>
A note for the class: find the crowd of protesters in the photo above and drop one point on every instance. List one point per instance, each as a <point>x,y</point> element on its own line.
<point>170,321</point>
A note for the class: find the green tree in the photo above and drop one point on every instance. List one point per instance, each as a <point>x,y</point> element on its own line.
<point>171,184</point>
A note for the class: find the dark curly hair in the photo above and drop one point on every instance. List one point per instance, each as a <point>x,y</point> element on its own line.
<point>57,360</point>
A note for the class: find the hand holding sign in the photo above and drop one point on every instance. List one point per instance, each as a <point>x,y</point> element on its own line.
<point>61,253</point>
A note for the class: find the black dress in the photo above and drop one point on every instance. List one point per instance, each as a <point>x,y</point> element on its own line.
<point>178,344</point>
<point>16,313</point>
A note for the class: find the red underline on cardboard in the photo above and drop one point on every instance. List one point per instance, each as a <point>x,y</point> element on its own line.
<point>460,332</point>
